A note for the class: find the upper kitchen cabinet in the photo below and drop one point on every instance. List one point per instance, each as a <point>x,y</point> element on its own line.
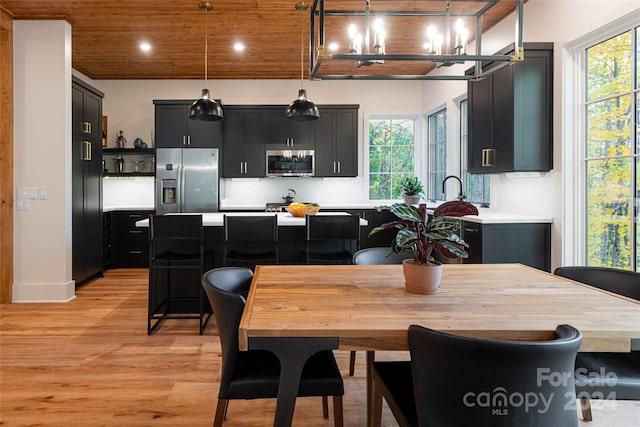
<point>174,129</point>
<point>243,152</point>
<point>336,141</point>
<point>86,182</point>
<point>283,134</point>
<point>511,114</point>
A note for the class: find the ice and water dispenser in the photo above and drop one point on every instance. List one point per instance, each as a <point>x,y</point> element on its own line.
<point>169,191</point>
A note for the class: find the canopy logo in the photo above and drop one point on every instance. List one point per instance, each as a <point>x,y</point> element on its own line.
<point>499,400</point>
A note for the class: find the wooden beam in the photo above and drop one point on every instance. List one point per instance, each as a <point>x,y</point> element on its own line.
<point>6,156</point>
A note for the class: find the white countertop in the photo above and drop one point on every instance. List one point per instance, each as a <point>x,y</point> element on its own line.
<point>485,216</point>
<point>112,208</point>
<point>490,217</point>
<point>215,219</point>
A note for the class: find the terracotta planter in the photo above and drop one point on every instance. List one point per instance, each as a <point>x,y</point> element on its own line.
<point>422,278</point>
<point>411,200</point>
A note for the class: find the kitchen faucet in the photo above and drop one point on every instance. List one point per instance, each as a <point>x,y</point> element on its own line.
<point>461,195</point>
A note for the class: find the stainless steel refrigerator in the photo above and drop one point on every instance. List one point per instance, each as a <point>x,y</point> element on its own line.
<point>186,180</point>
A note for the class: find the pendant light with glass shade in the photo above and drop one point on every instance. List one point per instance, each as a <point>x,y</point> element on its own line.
<point>205,108</point>
<point>302,109</point>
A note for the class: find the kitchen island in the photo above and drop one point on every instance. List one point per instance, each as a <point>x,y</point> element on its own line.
<point>291,233</point>
<point>285,219</point>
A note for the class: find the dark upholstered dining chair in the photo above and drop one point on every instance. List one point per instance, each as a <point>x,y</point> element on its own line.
<point>623,367</point>
<point>373,256</point>
<point>255,374</point>
<point>460,381</point>
<point>250,240</point>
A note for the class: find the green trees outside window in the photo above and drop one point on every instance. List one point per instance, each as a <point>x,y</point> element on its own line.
<point>391,156</point>
<point>612,152</point>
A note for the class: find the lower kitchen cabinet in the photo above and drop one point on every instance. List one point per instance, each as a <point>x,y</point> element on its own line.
<point>130,247</point>
<point>109,239</point>
<point>525,243</point>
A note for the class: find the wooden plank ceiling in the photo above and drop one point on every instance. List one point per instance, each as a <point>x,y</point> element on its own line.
<point>106,35</point>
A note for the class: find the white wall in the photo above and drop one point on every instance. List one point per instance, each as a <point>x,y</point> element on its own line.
<point>129,107</point>
<point>42,135</point>
<point>555,21</point>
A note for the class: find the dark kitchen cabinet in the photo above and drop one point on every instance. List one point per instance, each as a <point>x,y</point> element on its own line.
<point>511,114</point>
<point>282,134</point>
<point>243,152</point>
<point>336,142</point>
<point>525,243</point>
<point>174,129</point>
<point>131,243</point>
<point>86,181</point>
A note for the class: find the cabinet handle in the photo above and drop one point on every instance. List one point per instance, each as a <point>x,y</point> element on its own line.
<point>291,142</point>
<point>334,167</point>
<point>470,230</point>
<point>339,168</point>
<point>85,152</point>
<point>487,157</point>
<point>245,167</point>
<point>184,140</point>
<point>86,127</point>
<point>189,140</point>
<point>135,232</point>
<point>135,252</point>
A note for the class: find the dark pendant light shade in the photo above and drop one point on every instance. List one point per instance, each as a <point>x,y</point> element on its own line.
<point>206,108</point>
<point>301,109</point>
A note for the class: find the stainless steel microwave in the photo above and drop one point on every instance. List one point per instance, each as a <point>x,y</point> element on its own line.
<point>291,163</point>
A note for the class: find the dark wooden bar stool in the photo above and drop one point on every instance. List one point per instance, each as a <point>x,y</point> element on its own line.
<point>331,239</point>
<point>176,264</point>
<point>250,240</point>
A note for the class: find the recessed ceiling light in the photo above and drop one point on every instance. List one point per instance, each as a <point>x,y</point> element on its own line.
<point>145,47</point>
<point>333,47</point>
<point>238,46</point>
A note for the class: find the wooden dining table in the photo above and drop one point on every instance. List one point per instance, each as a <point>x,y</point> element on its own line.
<point>296,310</point>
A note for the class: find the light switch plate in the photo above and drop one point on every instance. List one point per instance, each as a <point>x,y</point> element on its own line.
<point>27,193</point>
<point>22,205</point>
<point>43,193</point>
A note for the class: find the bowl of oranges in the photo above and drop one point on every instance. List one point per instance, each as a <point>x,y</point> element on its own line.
<point>299,210</point>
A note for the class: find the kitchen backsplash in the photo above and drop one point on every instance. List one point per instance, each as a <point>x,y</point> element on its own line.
<point>124,192</point>
<point>128,192</point>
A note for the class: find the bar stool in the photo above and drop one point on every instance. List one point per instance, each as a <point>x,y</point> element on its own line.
<point>176,265</point>
<point>250,240</point>
<point>331,239</point>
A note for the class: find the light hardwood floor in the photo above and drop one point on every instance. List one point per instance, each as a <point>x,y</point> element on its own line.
<point>90,362</point>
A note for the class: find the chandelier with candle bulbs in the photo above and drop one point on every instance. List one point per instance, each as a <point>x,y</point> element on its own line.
<point>379,41</point>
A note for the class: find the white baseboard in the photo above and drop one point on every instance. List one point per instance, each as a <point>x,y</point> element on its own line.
<point>43,292</point>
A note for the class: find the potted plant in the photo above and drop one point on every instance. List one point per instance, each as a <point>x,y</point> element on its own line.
<point>411,190</point>
<point>420,235</point>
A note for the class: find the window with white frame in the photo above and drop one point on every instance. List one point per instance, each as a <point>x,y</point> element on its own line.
<point>612,152</point>
<point>391,155</point>
<point>437,153</point>
<point>477,186</point>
